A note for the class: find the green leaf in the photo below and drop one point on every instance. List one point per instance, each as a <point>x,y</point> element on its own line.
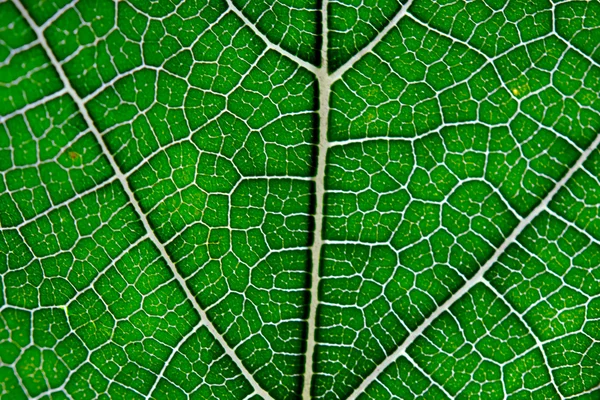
<point>332,199</point>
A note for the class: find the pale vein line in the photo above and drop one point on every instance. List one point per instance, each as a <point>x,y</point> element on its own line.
<point>521,318</point>
<point>579,229</point>
<point>324,93</point>
<point>32,105</point>
<point>589,391</point>
<point>433,383</point>
<point>393,22</point>
<point>478,277</point>
<point>124,184</point>
<point>268,42</point>
<point>58,14</point>
<point>182,341</point>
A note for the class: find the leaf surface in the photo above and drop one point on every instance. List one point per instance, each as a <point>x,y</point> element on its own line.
<point>336,199</point>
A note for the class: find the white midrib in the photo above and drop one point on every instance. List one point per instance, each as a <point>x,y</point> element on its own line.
<point>324,86</point>
<point>325,82</point>
<point>123,180</point>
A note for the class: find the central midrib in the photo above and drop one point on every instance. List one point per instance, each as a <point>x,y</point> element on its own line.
<point>324,81</point>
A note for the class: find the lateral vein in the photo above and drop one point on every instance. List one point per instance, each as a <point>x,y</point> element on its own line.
<point>479,276</point>
<point>393,22</point>
<point>268,42</point>
<point>122,179</point>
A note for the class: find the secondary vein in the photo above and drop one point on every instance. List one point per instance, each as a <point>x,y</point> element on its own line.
<point>479,276</point>
<point>123,180</point>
